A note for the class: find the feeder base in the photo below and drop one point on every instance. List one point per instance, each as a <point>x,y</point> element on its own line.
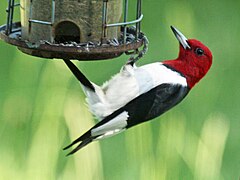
<point>72,50</point>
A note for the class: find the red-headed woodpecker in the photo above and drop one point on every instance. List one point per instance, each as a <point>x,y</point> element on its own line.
<point>139,94</point>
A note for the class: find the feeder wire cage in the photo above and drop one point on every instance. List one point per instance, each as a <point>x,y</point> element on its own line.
<point>21,34</point>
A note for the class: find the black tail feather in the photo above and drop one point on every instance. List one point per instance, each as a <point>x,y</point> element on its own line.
<point>85,138</point>
<point>79,75</point>
<point>81,145</point>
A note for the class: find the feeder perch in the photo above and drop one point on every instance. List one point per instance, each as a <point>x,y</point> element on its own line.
<point>73,29</point>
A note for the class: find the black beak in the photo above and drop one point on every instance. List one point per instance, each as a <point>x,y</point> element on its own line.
<point>181,38</point>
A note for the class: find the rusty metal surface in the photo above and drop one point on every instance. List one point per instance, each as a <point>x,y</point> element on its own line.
<point>63,51</point>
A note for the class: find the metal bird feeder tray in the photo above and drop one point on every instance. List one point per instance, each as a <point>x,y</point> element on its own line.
<point>73,29</point>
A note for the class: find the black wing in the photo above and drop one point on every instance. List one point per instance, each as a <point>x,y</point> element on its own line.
<point>154,103</point>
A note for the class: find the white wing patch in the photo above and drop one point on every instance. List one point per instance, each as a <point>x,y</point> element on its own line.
<point>114,126</point>
<point>129,84</point>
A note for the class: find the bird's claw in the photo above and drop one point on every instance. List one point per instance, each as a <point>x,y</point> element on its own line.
<point>139,54</point>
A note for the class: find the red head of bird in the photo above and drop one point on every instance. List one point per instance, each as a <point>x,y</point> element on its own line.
<point>194,59</point>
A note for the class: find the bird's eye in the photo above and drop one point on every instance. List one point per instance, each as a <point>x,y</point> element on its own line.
<point>199,51</point>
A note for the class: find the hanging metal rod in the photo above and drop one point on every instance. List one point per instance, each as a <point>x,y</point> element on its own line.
<point>125,20</point>
<point>126,23</point>
<point>104,18</point>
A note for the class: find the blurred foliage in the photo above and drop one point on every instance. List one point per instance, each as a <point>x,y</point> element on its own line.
<point>42,107</point>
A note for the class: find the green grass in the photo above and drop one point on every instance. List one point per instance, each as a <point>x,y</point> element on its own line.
<point>42,108</point>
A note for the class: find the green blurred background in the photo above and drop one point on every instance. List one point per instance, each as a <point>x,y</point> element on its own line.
<point>42,107</point>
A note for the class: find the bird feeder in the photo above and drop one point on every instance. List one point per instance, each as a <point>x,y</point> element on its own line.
<point>73,29</point>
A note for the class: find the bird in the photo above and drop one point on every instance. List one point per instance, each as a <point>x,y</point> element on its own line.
<point>139,94</point>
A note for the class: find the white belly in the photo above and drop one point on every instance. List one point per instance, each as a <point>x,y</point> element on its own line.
<point>132,82</point>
